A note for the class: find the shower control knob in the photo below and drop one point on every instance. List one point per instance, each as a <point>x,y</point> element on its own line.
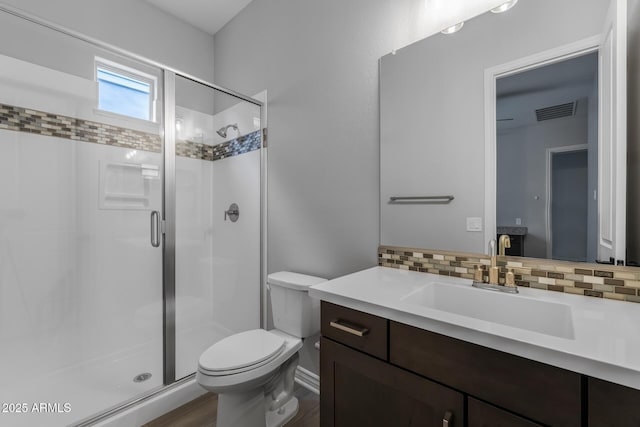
<point>233,213</point>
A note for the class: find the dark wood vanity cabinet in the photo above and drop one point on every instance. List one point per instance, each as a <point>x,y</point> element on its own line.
<point>376,372</point>
<point>613,405</point>
<point>360,390</point>
<point>534,390</point>
<point>481,414</point>
<point>362,331</point>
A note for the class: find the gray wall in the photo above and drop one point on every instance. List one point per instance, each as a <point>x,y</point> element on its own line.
<point>133,25</point>
<point>633,136</point>
<point>51,49</point>
<point>432,115</point>
<point>319,63</point>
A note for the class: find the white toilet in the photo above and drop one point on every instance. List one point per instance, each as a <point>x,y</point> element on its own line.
<point>253,372</point>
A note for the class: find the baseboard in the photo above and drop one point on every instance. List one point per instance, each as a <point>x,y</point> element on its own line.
<point>308,380</point>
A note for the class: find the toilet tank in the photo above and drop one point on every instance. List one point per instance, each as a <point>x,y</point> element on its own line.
<point>294,311</point>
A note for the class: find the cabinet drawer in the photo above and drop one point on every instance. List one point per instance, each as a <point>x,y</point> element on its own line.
<point>538,391</point>
<point>481,414</point>
<point>612,405</point>
<point>362,331</point>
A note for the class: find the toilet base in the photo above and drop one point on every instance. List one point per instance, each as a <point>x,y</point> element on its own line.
<point>241,409</point>
<point>248,410</point>
<point>283,415</point>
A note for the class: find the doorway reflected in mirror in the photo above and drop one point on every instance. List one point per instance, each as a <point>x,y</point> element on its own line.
<point>547,158</point>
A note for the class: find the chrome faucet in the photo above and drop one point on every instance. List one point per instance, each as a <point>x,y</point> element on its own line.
<point>504,242</point>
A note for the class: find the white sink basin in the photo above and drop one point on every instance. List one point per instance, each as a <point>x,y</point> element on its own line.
<point>507,309</point>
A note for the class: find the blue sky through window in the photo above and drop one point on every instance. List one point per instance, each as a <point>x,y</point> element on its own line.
<point>123,95</point>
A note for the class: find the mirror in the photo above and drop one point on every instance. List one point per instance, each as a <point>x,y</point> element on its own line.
<point>439,129</point>
<point>547,159</point>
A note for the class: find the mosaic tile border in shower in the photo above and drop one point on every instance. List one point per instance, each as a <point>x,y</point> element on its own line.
<point>27,120</point>
<point>20,119</point>
<point>613,282</point>
<point>235,147</point>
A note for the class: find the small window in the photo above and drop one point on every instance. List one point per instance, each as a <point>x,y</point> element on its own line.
<point>125,91</point>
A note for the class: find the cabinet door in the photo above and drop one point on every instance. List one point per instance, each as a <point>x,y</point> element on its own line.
<point>484,415</point>
<point>543,393</point>
<point>359,390</point>
<point>612,405</point>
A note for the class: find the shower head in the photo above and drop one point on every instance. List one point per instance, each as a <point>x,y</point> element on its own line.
<point>223,130</point>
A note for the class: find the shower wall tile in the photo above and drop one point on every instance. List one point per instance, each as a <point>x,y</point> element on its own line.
<point>235,147</point>
<point>20,119</point>
<point>47,124</point>
<point>530,272</point>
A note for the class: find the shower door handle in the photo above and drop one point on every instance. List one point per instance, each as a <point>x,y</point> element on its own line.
<point>155,229</point>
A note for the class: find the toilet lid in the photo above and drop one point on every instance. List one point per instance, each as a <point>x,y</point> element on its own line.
<point>241,351</point>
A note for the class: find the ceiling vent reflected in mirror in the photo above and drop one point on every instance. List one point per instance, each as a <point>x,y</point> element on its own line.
<point>557,111</point>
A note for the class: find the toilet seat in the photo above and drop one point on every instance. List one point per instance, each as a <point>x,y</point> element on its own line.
<point>228,382</point>
<point>241,352</point>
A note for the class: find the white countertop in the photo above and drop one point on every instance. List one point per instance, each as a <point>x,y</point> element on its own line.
<point>604,343</point>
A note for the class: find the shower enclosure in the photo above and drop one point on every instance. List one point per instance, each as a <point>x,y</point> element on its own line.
<point>122,254</point>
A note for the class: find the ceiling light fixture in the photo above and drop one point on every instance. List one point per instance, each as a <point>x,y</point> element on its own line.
<point>453,28</point>
<point>504,6</point>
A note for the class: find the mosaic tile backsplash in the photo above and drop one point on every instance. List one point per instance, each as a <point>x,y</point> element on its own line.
<point>20,119</point>
<point>606,281</point>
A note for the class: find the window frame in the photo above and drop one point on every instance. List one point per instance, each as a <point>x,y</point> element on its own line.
<point>130,73</point>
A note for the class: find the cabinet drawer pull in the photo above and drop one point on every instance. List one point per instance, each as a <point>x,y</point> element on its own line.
<point>447,420</point>
<point>349,328</point>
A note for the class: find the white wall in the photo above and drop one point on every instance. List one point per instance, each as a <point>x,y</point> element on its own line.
<point>217,261</point>
<point>133,25</point>
<point>79,284</point>
<point>432,118</point>
<point>68,247</point>
<point>633,129</point>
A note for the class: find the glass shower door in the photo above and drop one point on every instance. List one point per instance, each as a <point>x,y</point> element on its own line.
<point>80,282</point>
<point>98,306</point>
<point>217,163</point>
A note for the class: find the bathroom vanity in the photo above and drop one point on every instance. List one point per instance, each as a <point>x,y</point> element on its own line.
<point>389,358</point>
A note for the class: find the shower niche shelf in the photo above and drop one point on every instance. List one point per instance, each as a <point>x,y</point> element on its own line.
<point>126,186</point>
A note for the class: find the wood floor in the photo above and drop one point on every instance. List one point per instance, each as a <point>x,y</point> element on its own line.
<point>202,411</point>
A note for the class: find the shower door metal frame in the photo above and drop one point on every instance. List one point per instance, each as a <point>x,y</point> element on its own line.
<point>169,230</point>
<point>168,223</point>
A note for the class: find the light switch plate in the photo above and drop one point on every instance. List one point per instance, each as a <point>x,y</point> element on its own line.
<point>474,224</point>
